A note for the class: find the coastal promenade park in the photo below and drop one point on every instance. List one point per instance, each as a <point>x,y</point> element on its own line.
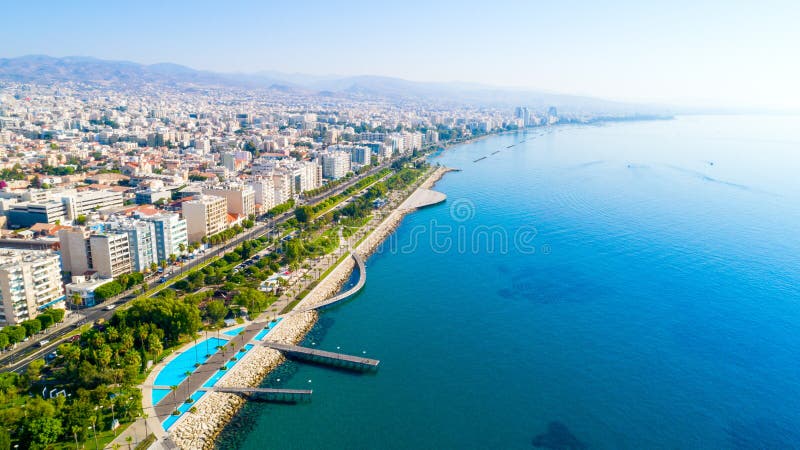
<point>196,369</point>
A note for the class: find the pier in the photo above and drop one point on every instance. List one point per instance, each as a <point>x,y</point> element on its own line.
<point>362,279</point>
<point>339,360</point>
<point>268,394</point>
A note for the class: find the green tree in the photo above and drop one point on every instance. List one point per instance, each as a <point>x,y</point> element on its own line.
<point>15,333</point>
<point>44,431</point>
<point>32,326</point>
<point>303,214</point>
<point>216,311</point>
<point>5,439</point>
<point>80,220</point>
<point>4,341</point>
<point>34,370</point>
<point>56,313</point>
<point>46,320</point>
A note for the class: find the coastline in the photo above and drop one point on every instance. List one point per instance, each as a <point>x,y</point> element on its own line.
<point>215,410</point>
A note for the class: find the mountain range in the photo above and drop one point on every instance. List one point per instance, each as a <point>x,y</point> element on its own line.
<point>47,69</point>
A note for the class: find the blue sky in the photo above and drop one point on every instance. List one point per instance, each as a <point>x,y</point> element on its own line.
<point>724,53</point>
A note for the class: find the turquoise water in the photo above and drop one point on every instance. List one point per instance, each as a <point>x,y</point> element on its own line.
<point>233,332</point>
<point>159,394</point>
<point>183,407</point>
<point>175,372</point>
<point>228,364</point>
<point>263,333</point>
<point>657,304</point>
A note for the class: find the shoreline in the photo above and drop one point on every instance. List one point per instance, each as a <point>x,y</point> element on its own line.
<point>215,410</point>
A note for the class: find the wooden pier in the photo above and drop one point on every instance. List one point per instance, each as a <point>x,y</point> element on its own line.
<point>324,357</point>
<point>268,394</point>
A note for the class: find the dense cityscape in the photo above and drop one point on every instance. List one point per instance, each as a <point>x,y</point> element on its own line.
<point>110,195</point>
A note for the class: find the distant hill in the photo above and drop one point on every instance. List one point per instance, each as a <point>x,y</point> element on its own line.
<point>39,68</point>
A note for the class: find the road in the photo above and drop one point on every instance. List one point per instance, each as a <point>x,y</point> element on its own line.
<point>17,359</point>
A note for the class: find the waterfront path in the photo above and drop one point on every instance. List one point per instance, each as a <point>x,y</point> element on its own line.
<point>195,381</point>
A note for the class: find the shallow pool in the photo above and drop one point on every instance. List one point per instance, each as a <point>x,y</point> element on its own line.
<point>263,333</point>
<point>183,407</point>
<point>220,373</point>
<point>159,394</point>
<point>175,371</point>
<point>234,332</point>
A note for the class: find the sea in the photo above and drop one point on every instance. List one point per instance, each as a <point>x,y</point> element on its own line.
<point>631,285</point>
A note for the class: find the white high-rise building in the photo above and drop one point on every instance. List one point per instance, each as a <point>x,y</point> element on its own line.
<point>110,253</point>
<point>171,234</point>
<point>335,165</point>
<point>142,242</point>
<point>264,188</point>
<point>241,198</point>
<point>30,281</point>
<point>205,216</point>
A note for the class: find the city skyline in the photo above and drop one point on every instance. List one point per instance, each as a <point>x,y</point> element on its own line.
<point>709,55</point>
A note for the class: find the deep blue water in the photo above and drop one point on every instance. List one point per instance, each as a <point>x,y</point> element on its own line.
<point>656,306</point>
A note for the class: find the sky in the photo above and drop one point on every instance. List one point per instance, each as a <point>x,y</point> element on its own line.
<point>735,54</point>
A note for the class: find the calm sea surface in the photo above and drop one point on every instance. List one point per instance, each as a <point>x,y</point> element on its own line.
<point>631,285</point>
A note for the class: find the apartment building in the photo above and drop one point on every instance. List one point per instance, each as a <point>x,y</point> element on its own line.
<point>141,240</point>
<point>241,199</point>
<point>75,251</point>
<point>205,215</point>
<point>30,281</point>
<point>110,253</point>
<point>335,164</point>
<point>170,233</point>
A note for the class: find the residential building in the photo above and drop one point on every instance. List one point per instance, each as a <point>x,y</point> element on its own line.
<point>141,240</point>
<point>241,198</point>
<point>205,216</point>
<point>171,234</point>
<point>335,164</point>
<point>76,255</point>
<point>110,253</point>
<point>30,281</point>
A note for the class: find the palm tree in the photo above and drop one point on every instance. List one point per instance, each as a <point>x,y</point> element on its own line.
<point>174,389</point>
<point>129,440</point>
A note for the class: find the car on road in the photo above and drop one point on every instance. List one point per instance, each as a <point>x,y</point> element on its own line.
<point>75,338</point>
<point>43,342</point>
<point>110,307</point>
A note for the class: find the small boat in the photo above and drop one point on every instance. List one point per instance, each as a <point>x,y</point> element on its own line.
<point>479,159</point>
<point>494,153</point>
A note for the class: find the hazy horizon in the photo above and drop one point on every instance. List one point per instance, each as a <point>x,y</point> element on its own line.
<point>710,55</point>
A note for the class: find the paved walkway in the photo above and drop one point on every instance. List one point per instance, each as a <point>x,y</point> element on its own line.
<point>198,378</point>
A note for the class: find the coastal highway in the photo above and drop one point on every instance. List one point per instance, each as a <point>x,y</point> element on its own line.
<point>18,358</point>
